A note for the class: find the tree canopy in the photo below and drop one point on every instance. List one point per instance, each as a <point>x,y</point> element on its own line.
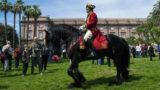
<point>9,35</point>
<point>150,31</point>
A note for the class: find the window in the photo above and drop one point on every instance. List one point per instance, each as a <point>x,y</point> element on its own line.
<point>133,28</point>
<point>112,28</point>
<point>123,34</point>
<point>134,34</point>
<point>112,33</point>
<point>29,34</point>
<point>40,25</point>
<point>46,26</point>
<point>30,25</point>
<point>101,28</point>
<point>40,34</point>
<point>122,28</point>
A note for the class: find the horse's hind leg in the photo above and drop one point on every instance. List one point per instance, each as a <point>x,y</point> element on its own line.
<point>76,82</point>
<point>125,73</point>
<point>117,79</point>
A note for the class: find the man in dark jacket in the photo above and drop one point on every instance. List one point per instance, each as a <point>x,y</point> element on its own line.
<point>158,49</point>
<point>45,55</point>
<point>151,52</point>
<point>133,50</point>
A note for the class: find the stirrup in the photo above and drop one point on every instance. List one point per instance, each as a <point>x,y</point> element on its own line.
<point>92,54</point>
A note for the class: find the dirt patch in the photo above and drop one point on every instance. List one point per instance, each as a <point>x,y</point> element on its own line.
<point>132,70</point>
<point>105,72</point>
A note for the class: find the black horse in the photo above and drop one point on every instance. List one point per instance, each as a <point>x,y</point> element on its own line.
<point>118,50</point>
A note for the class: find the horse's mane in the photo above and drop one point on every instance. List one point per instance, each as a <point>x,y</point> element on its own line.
<point>63,27</point>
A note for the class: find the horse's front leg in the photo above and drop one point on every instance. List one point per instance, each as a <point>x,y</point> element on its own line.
<point>76,82</point>
<point>79,75</point>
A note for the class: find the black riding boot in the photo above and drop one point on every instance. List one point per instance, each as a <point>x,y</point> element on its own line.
<point>91,48</point>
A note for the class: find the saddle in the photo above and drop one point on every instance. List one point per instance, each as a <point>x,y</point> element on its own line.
<point>99,42</point>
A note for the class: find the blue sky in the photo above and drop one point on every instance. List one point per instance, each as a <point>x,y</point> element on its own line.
<point>76,8</point>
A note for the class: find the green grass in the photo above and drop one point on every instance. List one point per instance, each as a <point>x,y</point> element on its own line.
<point>144,75</point>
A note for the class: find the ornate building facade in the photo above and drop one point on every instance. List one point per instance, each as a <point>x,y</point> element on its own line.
<point>122,27</point>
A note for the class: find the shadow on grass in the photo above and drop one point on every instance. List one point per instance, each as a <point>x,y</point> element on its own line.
<point>5,75</point>
<point>102,80</point>
<point>53,70</point>
<point>3,87</point>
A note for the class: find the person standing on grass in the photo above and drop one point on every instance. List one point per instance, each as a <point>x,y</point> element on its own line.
<point>138,51</point>
<point>25,59</point>
<point>133,51</point>
<point>7,55</point>
<point>158,49</point>
<point>35,51</point>
<point>45,55</point>
<point>151,52</point>
<point>17,55</point>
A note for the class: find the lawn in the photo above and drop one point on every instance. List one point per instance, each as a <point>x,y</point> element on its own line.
<point>144,75</point>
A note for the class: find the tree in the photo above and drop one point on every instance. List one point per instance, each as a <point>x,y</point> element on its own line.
<point>19,9</point>
<point>36,13</point>
<point>27,12</point>
<point>14,11</point>
<point>1,7</point>
<point>143,31</point>
<point>9,33</point>
<point>131,40</point>
<point>153,21</point>
<point>5,8</point>
<point>150,31</point>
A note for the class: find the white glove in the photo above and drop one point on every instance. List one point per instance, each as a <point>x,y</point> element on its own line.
<point>81,28</point>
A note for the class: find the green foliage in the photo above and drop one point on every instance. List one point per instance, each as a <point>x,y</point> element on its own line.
<point>144,75</point>
<point>150,31</point>
<point>9,35</point>
<point>131,40</point>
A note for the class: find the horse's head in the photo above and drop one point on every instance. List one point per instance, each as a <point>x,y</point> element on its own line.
<point>52,38</point>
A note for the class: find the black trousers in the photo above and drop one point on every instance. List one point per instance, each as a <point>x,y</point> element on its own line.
<point>44,61</point>
<point>25,67</point>
<point>16,62</point>
<point>109,62</point>
<point>36,61</point>
<point>150,57</point>
<point>10,63</point>
<point>159,55</point>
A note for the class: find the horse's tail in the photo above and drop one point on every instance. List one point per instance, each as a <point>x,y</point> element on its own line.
<point>126,60</point>
<point>126,54</point>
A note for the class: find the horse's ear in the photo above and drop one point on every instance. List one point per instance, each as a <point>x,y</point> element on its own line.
<point>48,33</point>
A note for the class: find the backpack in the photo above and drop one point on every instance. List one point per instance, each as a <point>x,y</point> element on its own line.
<point>2,57</point>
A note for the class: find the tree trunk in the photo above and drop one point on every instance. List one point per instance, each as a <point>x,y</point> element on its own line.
<point>5,16</point>
<point>14,26</point>
<point>35,27</point>
<point>20,29</point>
<point>27,29</point>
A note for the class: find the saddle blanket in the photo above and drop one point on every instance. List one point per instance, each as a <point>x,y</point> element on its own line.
<point>99,42</point>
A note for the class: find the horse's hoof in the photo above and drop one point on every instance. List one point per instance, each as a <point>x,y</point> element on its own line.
<point>74,85</point>
<point>83,80</point>
<point>115,82</point>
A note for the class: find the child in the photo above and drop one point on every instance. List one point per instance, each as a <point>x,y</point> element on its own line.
<point>25,59</point>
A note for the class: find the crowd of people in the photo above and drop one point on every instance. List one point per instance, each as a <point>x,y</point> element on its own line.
<point>39,54</point>
<point>36,52</point>
<point>145,50</point>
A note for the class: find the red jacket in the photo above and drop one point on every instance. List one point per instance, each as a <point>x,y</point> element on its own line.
<point>91,24</point>
<point>17,53</point>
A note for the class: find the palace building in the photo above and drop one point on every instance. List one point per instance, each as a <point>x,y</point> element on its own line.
<point>122,27</point>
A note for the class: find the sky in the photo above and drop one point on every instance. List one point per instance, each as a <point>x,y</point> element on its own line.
<point>76,9</point>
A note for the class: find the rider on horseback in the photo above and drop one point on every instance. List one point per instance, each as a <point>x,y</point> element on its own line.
<point>90,28</point>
